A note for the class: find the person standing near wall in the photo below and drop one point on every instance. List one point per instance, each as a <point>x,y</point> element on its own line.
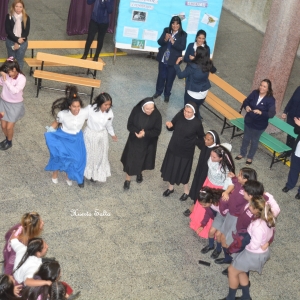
<point>98,24</point>
<point>17,26</point>
<point>291,111</point>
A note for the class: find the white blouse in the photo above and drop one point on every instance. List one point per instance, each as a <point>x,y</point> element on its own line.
<point>70,123</point>
<point>98,120</point>
<point>216,176</point>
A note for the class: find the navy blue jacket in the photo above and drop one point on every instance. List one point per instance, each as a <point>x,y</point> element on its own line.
<point>101,10</point>
<point>293,106</point>
<point>175,50</point>
<point>190,51</point>
<point>266,106</point>
<point>196,79</point>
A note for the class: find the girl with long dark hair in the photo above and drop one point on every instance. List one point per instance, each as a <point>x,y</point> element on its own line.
<point>11,101</point>
<point>196,74</point>
<point>66,144</point>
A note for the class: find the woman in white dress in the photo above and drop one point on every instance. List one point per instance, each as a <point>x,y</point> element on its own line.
<point>99,124</point>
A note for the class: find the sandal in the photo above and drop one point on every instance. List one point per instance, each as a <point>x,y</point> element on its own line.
<point>248,162</point>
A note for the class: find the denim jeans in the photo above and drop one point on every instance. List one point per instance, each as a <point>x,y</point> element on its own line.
<point>17,54</point>
<point>250,136</point>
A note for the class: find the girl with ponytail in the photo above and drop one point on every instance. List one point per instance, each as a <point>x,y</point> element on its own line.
<point>64,138</point>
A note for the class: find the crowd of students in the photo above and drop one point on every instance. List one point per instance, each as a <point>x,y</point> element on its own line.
<point>28,274</point>
<point>230,208</point>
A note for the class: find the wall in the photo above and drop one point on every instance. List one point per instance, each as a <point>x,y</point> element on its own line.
<point>253,12</point>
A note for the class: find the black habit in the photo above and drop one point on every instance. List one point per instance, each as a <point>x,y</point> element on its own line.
<point>178,161</point>
<point>139,153</point>
<point>201,172</point>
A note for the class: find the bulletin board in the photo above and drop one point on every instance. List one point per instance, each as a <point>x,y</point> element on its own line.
<point>141,22</point>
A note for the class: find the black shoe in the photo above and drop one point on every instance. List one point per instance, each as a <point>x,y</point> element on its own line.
<point>283,155</point>
<point>206,249</point>
<point>139,178</point>
<point>81,185</point>
<point>5,146</point>
<point>167,99</point>
<point>184,197</point>
<point>225,272</point>
<point>239,298</point>
<point>3,142</point>
<point>83,56</point>
<point>297,196</point>
<point>238,157</point>
<point>215,254</point>
<point>285,189</point>
<point>167,192</point>
<point>126,185</point>
<point>95,58</point>
<point>92,180</point>
<point>155,96</point>
<point>221,261</point>
<point>187,213</point>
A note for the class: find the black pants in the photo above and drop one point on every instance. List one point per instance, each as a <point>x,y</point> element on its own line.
<point>94,28</point>
<point>289,139</point>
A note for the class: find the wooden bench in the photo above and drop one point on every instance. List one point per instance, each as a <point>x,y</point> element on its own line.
<point>275,121</point>
<point>33,62</point>
<point>269,141</point>
<point>70,79</point>
<point>223,108</point>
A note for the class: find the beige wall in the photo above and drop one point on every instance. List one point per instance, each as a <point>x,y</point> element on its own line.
<point>253,12</point>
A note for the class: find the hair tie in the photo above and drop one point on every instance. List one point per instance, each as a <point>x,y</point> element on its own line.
<point>11,58</point>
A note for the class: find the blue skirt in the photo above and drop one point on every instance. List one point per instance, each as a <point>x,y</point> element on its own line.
<point>67,154</point>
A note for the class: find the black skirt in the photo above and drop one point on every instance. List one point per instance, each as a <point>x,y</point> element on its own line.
<point>176,169</point>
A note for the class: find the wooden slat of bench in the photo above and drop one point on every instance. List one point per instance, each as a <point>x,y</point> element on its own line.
<point>283,126</point>
<point>69,61</point>
<point>33,62</point>
<point>90,82</point>
<point>59,44</point>
<point>223,108</point>
<point>227,87</point>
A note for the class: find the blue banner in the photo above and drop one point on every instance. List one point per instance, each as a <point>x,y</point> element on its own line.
<point>141,22</point>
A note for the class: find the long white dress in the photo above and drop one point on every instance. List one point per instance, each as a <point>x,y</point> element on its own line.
<point>96,143</point>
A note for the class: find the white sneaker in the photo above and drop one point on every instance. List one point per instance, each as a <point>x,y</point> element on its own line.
<point>55,180</point>
<point>69,182</point>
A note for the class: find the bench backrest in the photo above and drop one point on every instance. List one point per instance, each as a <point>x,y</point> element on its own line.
<point>69,61</point>
<point>59,44</point>
<point>227,88</point>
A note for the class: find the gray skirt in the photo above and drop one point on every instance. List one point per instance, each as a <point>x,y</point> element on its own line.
<point>218,221</point>
<point>12,111</point>
<point>248,261</point>
<point>228,227</point>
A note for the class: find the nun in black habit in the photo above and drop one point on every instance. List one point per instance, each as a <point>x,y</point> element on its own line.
<point>211,140</point>
<point>144,126</point>
<point>177,164</point>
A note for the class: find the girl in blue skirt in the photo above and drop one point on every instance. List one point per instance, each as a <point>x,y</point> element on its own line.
<point>66,144</point>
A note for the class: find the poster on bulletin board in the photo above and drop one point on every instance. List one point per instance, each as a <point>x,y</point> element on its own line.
<point>141,22</point>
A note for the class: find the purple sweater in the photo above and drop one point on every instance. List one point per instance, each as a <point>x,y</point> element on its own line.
<point>236,200</point>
